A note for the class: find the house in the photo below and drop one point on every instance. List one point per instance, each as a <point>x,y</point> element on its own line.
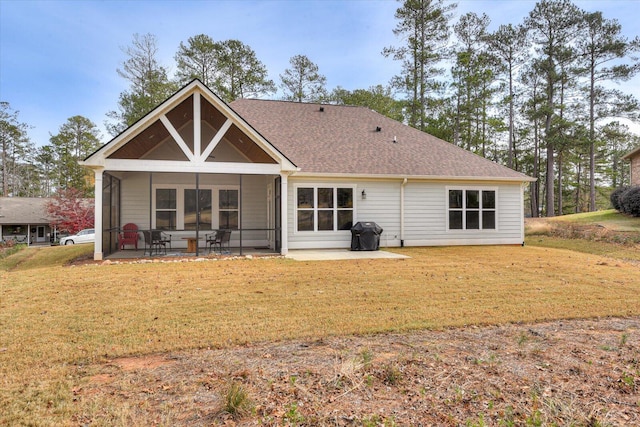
<point>24,220</point>
<point>634,158</point>
<point>287,175</point>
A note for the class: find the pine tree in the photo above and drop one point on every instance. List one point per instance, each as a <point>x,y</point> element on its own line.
<point>303,81</point>
<point>149,83</point>
<point>424,24</point>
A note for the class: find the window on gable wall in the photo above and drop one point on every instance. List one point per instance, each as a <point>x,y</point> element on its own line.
<point>324,208</point>
<point>472,209</point>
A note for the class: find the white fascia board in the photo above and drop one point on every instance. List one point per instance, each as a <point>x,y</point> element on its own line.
<point>134,165</point>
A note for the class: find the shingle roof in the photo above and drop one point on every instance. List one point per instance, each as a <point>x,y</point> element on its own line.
<point>332,139</point>
<point>23,210</point>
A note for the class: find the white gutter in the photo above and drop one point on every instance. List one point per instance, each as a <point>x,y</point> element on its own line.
<point>301,174</point>
<point>404,182</point>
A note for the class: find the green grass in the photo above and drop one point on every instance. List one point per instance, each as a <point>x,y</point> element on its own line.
<point>36,257</point>
<point>610,250</point>
<point>610,219</point>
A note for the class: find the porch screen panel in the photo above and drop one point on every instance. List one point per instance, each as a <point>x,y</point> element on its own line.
<point>228,209</point>
<point>166,208</point>
<point>191,215</point>
<point>110,213</point>
<point>106,214</point>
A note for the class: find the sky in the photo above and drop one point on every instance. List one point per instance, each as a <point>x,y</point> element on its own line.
<point>58,59</point>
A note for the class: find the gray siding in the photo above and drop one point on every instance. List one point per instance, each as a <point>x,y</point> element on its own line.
<point>425,214</point>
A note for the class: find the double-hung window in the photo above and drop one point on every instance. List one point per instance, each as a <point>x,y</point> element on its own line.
<point>324,208</point>
<point>471,209</point>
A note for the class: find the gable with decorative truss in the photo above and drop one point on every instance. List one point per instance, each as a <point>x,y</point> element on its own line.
<point>193,126</point>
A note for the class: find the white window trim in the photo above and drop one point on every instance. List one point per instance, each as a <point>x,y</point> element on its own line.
<point>464,209</point>
<point>315,187</point>
<point>215,206</point>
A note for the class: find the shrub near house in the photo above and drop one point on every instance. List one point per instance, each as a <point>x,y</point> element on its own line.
<point>626,200</point>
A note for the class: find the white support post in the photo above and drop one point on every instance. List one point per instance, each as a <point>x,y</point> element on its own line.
<point>284,213</point>
<point>97,224</point>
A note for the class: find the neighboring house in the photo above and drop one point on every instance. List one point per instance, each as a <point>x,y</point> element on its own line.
<point>24,220</point>
<point>291,175</point>
<point>634,159</point>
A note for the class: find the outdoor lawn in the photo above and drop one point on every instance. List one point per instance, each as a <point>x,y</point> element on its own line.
<point>67,329</point>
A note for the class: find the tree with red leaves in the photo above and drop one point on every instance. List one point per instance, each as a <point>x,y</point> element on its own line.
<point>70,212</point>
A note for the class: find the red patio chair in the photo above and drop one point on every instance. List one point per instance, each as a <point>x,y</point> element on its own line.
<point>128,236</point>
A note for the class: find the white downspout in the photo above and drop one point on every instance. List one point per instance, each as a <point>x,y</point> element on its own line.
<point>404,182</point>
<point>284,213</point>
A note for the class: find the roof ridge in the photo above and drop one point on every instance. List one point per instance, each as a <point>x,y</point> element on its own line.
<point>286,101</point>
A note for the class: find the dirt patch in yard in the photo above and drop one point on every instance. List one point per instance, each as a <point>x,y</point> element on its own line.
<point>574,372</point>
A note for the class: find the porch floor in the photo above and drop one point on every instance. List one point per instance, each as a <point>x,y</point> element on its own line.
<point>296,254</point>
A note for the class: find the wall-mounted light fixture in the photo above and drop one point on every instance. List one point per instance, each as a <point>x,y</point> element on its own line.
<point>364,194</point>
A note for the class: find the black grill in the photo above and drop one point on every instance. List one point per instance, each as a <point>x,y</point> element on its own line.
<point>365,236</point>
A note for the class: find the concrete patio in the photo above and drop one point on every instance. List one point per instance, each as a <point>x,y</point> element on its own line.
<point>339,254</point>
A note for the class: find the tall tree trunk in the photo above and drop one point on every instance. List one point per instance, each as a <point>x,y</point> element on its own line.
<point>535,186</point>
<point>550,199</point>
<point>560,176</point>
<point>592,143</point>
<point>578,184</point>
<point>511,136</point>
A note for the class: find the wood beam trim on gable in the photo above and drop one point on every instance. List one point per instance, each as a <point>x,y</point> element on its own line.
<point>216,140</point>
<point>177,138</point>
<point>197,120</point>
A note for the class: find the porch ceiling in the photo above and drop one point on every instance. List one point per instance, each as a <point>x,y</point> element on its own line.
<point>246,146</point>
<point>145,142</point>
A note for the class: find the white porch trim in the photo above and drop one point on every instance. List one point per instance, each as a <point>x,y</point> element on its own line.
<point>134,165</point>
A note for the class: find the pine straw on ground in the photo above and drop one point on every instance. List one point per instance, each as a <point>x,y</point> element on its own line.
<point>579,372</point>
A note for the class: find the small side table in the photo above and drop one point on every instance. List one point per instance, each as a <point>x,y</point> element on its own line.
<point>192,244</point>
